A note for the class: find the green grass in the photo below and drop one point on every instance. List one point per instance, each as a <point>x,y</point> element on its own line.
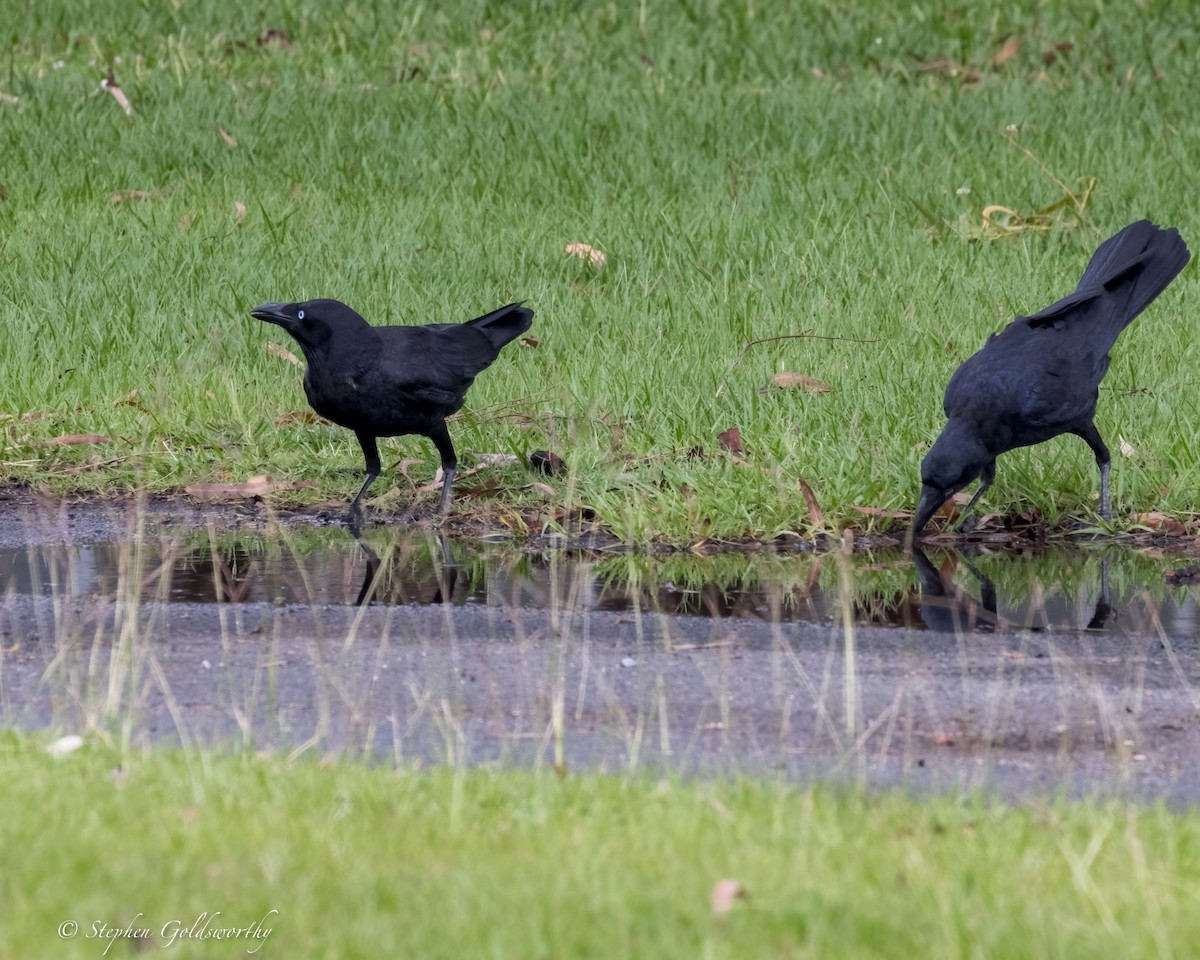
<point>427,163</point>
<point>365,862</point>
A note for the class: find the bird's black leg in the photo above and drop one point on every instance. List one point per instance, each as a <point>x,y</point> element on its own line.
<point>986,476</point>
<point>371,453</point>
<point>1103,606</point>
<point>1091,436</point>
<point>441,440</point>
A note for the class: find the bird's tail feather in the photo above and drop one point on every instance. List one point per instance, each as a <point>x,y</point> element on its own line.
<point>1141,260</point>
<point>503,325</point>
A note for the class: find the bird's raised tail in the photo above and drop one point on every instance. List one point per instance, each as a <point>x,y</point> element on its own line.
<point>1140,262</point>
<point>503,325</point>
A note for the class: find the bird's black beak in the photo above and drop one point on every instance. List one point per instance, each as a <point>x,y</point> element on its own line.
<point>276,313</point>
<point>931,499</point>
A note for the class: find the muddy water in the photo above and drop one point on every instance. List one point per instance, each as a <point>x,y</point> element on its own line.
<point>1023,672</point>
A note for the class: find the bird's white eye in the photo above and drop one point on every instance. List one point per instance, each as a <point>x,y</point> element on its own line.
<point>300,315</point>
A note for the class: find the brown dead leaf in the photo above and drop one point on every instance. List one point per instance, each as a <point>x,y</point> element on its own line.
<point>489,486</point>
<point>110,84</point>
<point>530,341</point>
<point>944,739</point>
<point>403,466</point>
<point>791,381</point>
<point>273,36</point>
<point>1161,523</point>
<point>75,439</point>
<point>253,487</point>
<point>229,141</point>
<point>33,416</point>
<point>1006,52</point>
<point>239,210</point>
<point>131,400</point>
<point>585,252</point>
<point>283,353</point>
<point>810,498</point>
<point>436,484</point>
<point>881,512</point>
<point>9,98</point>
<point>1051,55</point>
<point>295,417</point>
<point>731,440</point>
<point>127,196</point>
<point>1124,446</point>
<point>817,72</point>
<point>724,893</point>
<point>951,68</point>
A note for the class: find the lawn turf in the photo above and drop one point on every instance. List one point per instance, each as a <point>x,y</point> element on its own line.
<point>750,171</point>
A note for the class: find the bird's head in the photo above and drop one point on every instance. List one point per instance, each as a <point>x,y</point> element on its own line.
<point>312,323</point>
<point>956,458</point>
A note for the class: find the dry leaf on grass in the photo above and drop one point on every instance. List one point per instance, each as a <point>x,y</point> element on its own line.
<point>731,440</point>
<point>124,196</point>
<point>1049,56</point>
<point>229,141</point>
<point>73,439</point>
<point>792,381</point>
<point>952,68</point>
<point>403,465</point>
<point>529,341</point>
<point>273,36</point>
<point>294,417</point>
<point>9,98</point>
<point>1006,52</point>
<point>881,512</point>
<point>239,210</point>
<point>1161,523</point>
<point>1124,446</point>
<point>110,84</point>
<point>724,893</point>
<point>436,485</point>
<point>585,252</point>
<point>283,353</point>
<point>253,487</point>
<point>810,498</point>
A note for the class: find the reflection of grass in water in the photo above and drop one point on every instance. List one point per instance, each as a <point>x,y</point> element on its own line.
<point>880,582</point>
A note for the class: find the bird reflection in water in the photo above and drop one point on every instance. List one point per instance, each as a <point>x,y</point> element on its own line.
<point>446,576</point>
<point>947,607</point>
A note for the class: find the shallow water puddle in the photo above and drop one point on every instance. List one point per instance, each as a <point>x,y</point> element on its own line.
<point>1120,592</point>
<point>1020,671</point>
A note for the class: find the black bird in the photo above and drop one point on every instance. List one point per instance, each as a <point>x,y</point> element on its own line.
<point>387,381</point>
<point>1040,375</point>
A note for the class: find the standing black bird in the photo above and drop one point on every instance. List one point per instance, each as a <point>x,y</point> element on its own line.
<point>387,381</point>
<point>1040,375</point>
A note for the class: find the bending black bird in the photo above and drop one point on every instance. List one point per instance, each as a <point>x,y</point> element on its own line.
<point>387,381</point>
<point>1040,375</point>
